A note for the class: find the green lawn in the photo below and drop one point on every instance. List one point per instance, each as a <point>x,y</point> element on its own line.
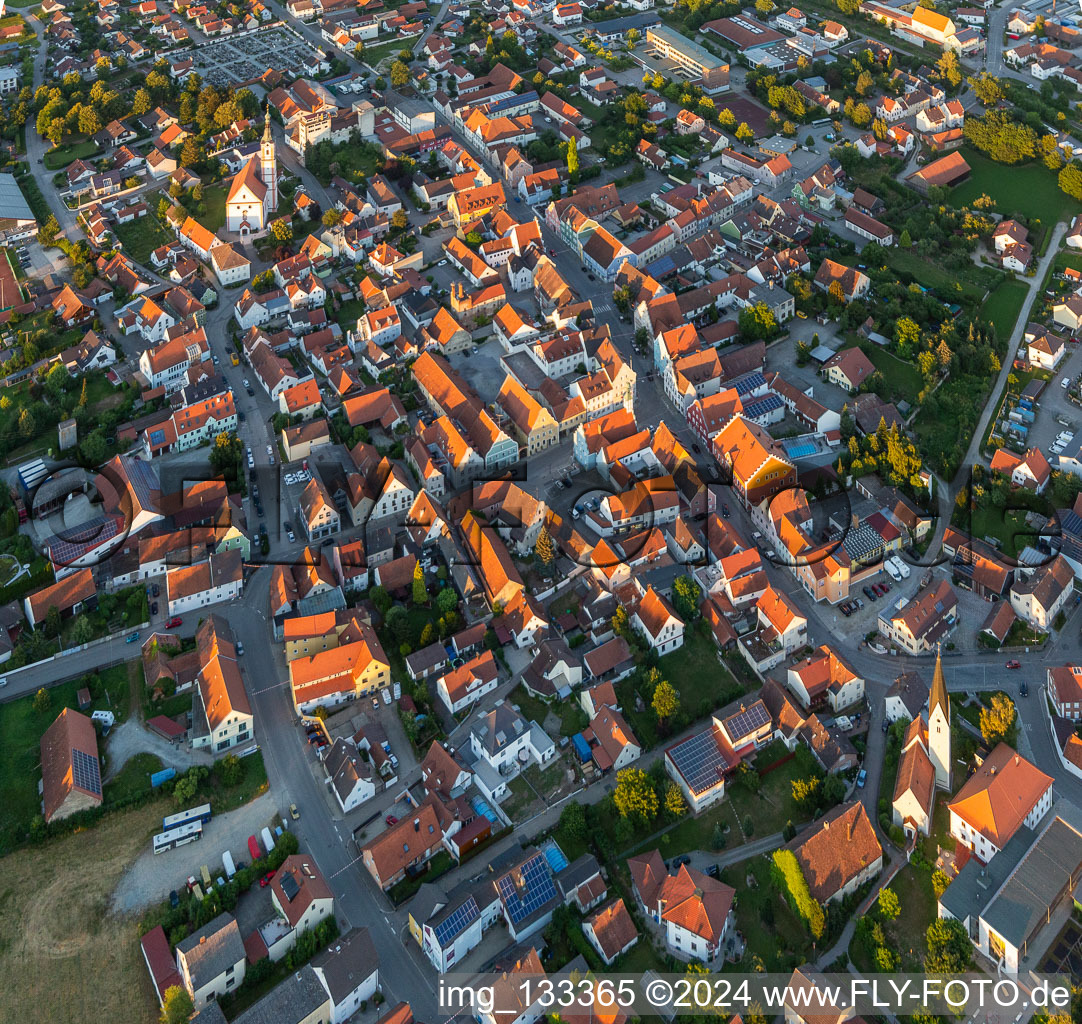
<point>61,156</point>
<point>572,718</point>
<point>21,728</point>
<point>214,202</point>
<point>1003,306</point>
<point>141,237</point>
<point>1030,189</point>
<point>900,379</point>
<point>1010,529</point>
<point>701,681</point>
<point>946,283</point>
<point>769,809</point>
<point>374,54</point>
<point>133,778</point>
<point>771,930</point>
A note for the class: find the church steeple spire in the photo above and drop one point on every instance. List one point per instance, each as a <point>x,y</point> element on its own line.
<point>938,697</point>
<point>267,128</point>
<point>269,170</point>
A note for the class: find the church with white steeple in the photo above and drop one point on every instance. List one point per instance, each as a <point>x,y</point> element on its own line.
<point>253,195</point>
<point>924,766</point>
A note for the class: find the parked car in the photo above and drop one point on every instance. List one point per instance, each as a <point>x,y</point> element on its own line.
<point>862,777</point>
<point>698,451</point>
<point>391,819</point>
<point>886,725</point>
<point>155,590</point>
<point>173,622</point>
<point>844,609</point>
<point>870,594</point>
<point>266,880</point>
<point>154,608</point>
<point>1014,663</point>
<point>1023,688</point>
<point>240,649</point>
<point>133,638</point>
<point>293,812</point>
<point>174,899</point>
<point>724,511</point>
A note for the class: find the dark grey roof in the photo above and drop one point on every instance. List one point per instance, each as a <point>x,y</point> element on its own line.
<point>210,1014</point>
<point>346,963</point>
<point>499,727</point>
<point>209,951</point>
<point>974,886</point>
<point>579,871</point>
<point>911,689</point>
<point>295,999</point>
<point>1047,870</point>
<point>345,766</point>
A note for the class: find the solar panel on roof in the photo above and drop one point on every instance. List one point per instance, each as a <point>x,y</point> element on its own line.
<point>290,887</point>
<point>699,760</point>
<point>86,771</point>
<point>457,922</point>
<point>745,722</point>
<point>527,889</point>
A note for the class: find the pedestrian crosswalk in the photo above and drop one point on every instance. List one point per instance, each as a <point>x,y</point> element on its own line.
<point>603,307</point>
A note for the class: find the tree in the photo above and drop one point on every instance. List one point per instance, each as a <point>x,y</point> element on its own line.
<point>400,74</point>
<point>82,632</point>
<point>889,904</point>
<point>905,240</point>
<point>986,88</point>
<point>621,624</point>
<point>380,599</point>
<point>43,701</point>
<point>685,597</point>
<point>49,230</point>
<point>940,882</point>
<point>281,231</point>
<point>177,1006</point>
<point>949,949</point>
<point>231,769</point>
<point>665,701</point>
<point>331,218</point>
<point>757,322</point>
<point>635,796</point>
<point>949,68</point>
<point>633,35</point>
<point>674,800</point>
<point>190,153</point>
<point>399,220</point>
<point>420,591</point>
<point>998,721</point>
<point>27,426</point>
<point>806,792</point>
<point>572,157</point>
<point>744,133</point>
<point>446,600</point>
<point>1070,180</point>
<point>572,822</point>
<point>543,548</point>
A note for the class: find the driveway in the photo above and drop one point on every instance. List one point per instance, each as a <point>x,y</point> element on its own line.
<point>132,737</point>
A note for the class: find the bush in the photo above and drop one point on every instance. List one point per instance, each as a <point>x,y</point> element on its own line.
<point>791,882</point>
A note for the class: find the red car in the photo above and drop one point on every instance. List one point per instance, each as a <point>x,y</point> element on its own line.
<point>391,819</point>
<point>266,880</point>
<point>253,848</point>
<point>1014,664</point>
<point>173,622</point>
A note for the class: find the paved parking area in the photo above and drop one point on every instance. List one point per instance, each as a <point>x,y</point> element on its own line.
<point>482,369</point>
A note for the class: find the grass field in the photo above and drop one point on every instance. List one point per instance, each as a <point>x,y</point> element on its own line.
<point>66,956</point>
<point>141,237</point>
<point>946,283</point>
<point>374,54</point>
<point>214,201</point>
<point>900,378</point>
<point>1030,190</point>
<point>1003,306</point>
<point>21,728</point>
<point>1009,528</point>
<point>61,156</point>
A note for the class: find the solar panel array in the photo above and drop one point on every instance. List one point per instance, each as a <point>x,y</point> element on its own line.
<point>77,541</point>
<point>535,890</point>
<point>699,760</point>
<point>745,722</point>
<point>86,771</point>
<point>455,923</point>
